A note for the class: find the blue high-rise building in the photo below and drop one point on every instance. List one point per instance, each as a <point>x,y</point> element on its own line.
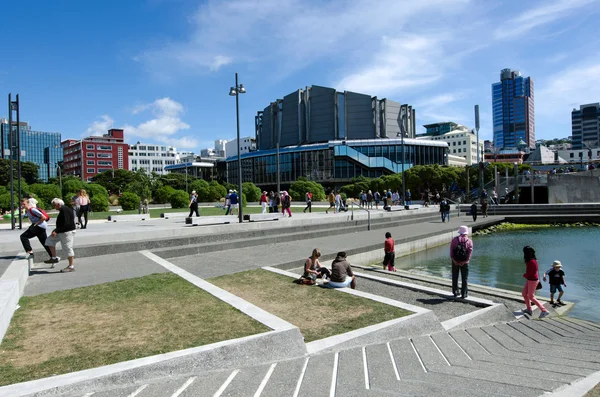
<point>41,148</point>
<point>513,110</point>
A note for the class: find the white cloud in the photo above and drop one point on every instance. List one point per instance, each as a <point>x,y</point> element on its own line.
<point>547,12</point>
<point>100,127</point>
<point>291,34</point>
<point>558,94</point>
<point>166,122</point>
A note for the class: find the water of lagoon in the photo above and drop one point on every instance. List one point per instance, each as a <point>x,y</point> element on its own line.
<point>498,262</point>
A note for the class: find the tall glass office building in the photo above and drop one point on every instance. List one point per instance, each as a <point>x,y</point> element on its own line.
<point>513,110</point>
<point>41,148</point>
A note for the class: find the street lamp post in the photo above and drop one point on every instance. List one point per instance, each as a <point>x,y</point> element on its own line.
<point>236,91</point>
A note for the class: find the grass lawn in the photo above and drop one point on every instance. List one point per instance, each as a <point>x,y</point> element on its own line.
<point>88,327</point>
<point>595,392</point>
<point>312,309</point>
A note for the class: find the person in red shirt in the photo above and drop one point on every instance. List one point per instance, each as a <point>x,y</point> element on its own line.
<point>263,202</point>
<point>390,253</point>
<point>531,275</point>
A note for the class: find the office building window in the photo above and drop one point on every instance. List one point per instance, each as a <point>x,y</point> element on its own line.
<point>571,155</point>
<point>101,162</point>
<point>88,154</point>
<point>91,147</point>
<point>104,155</point>
<point>104,147</point>
<point>89,162</point>
<point>90,170</point>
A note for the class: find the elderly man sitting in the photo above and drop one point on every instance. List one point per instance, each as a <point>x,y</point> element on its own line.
<point>64,232</point>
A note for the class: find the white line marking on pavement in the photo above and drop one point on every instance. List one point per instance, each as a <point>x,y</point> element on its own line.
<point>334,374</point>
<point>184,386</point>
<point>364,354</point>
<point>138,391</point>
<point>262,316</point>
<point>460,347</point>
<point>393,361</point>
<point>417,354</point>
<point>227,382</point>
<point>265,380</point>
<point>89,394</point>
<point>439,351</point>
<point>301,378</point>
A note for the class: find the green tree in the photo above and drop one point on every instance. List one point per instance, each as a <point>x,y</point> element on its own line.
<point>141,184</point>
<point>217,191</point>
<point>71,185</point>
<point>163,194</point>
<point>99,203</point>
<point>114,180</point>
<point>29,172</point>
<point>179,199</point>
<point>129,201</point>
<point>95,189</point>
<point>5,201</point>
<point>251,191</point>
<point>299,188</point>
<point>202,188</point>
<point>45,193</point>
<point>175,180</point>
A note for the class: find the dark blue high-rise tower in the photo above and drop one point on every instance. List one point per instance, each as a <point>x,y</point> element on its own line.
<point>513,110</point>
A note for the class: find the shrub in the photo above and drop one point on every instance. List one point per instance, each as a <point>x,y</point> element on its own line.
<point>5,201</point>
<point>99,203</point>
<point>45,193</point>
<point>129,201</point>
<point>251,191</point>
<point>94,190</point>
<point>179,199</point>
<point>299,188</point>
<point>163,194</point>
<point>217,191</point>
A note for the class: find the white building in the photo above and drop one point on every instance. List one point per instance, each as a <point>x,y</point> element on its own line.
<point>578,155</point>
<point>247,145</point>
<point>461,141</point>
<point>220,148</point>
<point>151,157</point>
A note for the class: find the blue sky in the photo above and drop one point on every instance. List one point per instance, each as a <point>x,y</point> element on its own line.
<point>162,69</point>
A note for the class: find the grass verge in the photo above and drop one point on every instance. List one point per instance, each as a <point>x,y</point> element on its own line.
<point>317,312</point>
<point>104,324</point>
<point>595,392</point>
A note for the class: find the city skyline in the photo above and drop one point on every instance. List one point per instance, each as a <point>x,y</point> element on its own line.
<point>163,72</point>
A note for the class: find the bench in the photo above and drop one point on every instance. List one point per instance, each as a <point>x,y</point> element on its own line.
<point>128,218</point>
<point>275,216</point>
<point>168,215</point>
<point>210,220</point>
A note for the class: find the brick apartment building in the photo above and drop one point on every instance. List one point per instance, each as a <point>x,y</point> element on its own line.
<point>89,156</point>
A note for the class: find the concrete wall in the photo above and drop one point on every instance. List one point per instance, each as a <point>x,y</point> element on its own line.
<point>574,188</point>
<point>359,116</point>
<point>392,118</point>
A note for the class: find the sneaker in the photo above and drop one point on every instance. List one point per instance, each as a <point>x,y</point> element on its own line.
<point>552,303</point>
<point>52,260</point>
<point>559,303</point>
<point>544,314</point>
<point>526,311</point>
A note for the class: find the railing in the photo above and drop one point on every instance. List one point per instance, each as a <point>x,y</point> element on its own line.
<point>371,162</point>
<point>352,203</point>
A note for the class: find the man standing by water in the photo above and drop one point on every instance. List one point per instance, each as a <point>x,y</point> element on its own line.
<point>461,249</point>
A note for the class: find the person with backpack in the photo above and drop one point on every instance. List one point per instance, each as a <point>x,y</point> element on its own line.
<point>461,249</point>
<point>286,203</point>
<point>38,219</point>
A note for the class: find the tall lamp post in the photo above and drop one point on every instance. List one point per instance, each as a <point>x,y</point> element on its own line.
<point>236,91</point>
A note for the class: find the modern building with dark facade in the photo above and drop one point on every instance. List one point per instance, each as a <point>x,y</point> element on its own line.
<point>41,148</point>
<point>332,137</point>
<point>513,110</point>
<point>585,124</point>
<point>90,156</point>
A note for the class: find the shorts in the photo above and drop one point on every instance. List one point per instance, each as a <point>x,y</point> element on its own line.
<point>232,206</point>
<point>66,241</point>
<point>554,288</point>
<point>334,284</point>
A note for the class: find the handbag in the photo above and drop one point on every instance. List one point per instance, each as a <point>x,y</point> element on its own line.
<point>539,285</point>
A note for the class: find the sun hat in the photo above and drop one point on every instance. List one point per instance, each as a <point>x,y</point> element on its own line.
<point>556,264</point>
<point>463,230</point>
<point>193,192</point>
<point>230,191</point>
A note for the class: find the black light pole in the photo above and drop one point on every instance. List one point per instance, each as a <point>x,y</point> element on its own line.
<point>10,156</point>
<point>236,91</point>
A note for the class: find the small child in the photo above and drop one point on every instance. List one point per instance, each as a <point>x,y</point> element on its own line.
<point>556,278</point>
<point>390,253</point>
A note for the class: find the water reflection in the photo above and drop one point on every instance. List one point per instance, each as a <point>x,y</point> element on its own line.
<point>498,262</point>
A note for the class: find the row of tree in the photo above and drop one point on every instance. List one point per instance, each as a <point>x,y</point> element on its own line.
<point>129,188</point>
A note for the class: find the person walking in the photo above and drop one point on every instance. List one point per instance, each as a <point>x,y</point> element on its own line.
<point>331,199</point>
<point>495,197</point>
<point>461,249</point>
<point>390,253</point>
<point>193,205</point>
<point>286,203</point>
<point>369,200</point>
<point>474,211</point>
<point>271,202</point>
<point>484,208</point>
<point>38,219</point>
<point>63,233</point>
<point>263,202</point>
<point>377,198</point>
<point>83,202</point>
<point>531,282</point>
<point>234,201</point>
<point>557,280</point>
<point>338,201</point>
<point>228,202</point>
<point>408,197</point>
<point>308,198</point>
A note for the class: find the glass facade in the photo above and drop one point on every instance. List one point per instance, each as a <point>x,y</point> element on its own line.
<point>513,110</point>
<point>41,148</point>
<point>334,163</point>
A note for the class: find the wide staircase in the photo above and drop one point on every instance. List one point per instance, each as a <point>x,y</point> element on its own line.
<point>519,358</point>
